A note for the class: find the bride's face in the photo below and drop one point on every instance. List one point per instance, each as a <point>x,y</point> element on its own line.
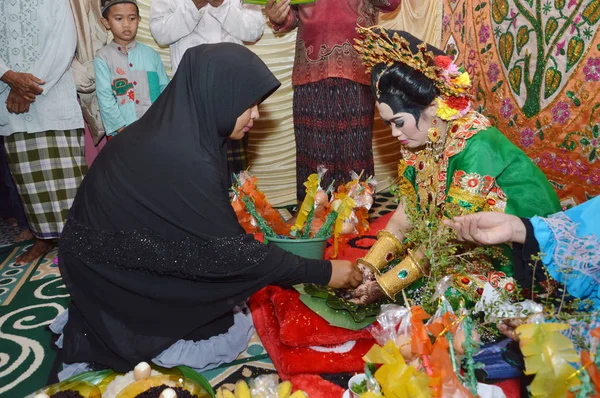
<point>404,126</point>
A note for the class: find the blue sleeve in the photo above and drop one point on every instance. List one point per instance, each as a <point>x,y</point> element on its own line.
<point>107,101</point>
<point>569,244</point>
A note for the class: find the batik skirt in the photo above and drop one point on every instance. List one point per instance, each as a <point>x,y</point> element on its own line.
<point>47,168</point>
<point>333,126</point>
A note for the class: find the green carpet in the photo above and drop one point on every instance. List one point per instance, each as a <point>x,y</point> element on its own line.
<point>31,296</point>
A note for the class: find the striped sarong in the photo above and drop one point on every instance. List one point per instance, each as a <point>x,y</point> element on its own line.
<point>47,169</point>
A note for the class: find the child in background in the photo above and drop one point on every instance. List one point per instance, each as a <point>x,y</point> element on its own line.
<point>129,75</point>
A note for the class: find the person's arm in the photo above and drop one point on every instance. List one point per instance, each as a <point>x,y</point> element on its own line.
<point>242,21</point>
<point>163,78</point>
<point>569,243</point>
<point>170,22</point>
<point>109,108</point>
<point>58,49</point>
<point>292,269</point>
<point>385,5</point>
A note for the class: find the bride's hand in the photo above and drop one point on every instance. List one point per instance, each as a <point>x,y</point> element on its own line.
<point>368,291</point>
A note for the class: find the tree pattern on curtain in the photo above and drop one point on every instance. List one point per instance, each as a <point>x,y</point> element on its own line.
<point>536,71</point>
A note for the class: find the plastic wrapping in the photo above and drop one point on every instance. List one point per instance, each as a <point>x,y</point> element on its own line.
<point>265,386</point>
<point>393,323</point>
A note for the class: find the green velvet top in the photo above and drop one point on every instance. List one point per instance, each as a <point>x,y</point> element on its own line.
<point>479,169</point>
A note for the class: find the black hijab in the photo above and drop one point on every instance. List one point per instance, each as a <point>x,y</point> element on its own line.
<point>152,251</point>
<point>167,172</point>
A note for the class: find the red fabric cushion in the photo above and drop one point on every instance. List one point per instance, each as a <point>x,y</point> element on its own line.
<point>297,360</point>
<point>300,327</point>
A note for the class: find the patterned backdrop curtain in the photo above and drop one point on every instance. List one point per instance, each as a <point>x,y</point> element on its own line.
<point>272,150</point>
<point>536,66</point>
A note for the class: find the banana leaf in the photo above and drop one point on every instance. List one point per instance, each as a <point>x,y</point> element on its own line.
<point>335,310</point>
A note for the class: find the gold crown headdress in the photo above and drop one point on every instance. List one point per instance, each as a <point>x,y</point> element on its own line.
<point>377,47</point>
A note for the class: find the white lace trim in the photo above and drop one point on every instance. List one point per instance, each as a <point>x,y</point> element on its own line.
<point>574,253</point>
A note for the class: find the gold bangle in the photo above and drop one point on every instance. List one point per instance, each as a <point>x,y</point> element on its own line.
<point>400,277</point>
<point>418,263</point>
<point>387,248</point>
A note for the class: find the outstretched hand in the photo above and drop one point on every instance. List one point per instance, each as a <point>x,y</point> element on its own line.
<point>488,228</point>
<point>344,275</point>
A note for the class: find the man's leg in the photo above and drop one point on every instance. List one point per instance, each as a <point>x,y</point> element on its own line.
<point>47,168</point>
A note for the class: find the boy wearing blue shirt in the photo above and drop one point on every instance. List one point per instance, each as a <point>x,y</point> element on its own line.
<point>129,75</point>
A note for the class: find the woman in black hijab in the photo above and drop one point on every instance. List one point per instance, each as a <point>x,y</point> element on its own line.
<point>152,254</point>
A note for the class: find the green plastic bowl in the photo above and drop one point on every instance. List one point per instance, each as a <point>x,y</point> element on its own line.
<point>308,248</point>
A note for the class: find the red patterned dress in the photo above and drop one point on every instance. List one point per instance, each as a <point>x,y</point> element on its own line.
<point>333,104</point>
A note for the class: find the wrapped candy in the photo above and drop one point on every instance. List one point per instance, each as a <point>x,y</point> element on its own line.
<point>396,378</point>
<point>548,355</point>
<point>393,323</point>
<point>253,210</point>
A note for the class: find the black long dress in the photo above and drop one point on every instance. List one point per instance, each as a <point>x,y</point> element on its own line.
<point>152,251</point>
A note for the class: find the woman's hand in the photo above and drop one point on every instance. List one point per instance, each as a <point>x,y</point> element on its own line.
<point>344,275</point>
<point>369,289</point>
<point>277,11</point>
<point>508,327</point>
<point>488,228</point>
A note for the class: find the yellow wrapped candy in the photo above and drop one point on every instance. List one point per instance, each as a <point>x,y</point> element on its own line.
<point>396,378</point>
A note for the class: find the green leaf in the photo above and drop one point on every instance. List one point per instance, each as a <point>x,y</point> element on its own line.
<point>592,155</point>
<point>499,10</point>
<point>477,8</point>
<point>500,83</point>
<point>316,290</point>
<point>494,89</point>
<point>576,101</point>
<point>506,47</point>
<point>552,81</point>
<point>514,78</point>
<point>343,318</point>
<point>584,141</point>
<point>551,26</point>
<point>574,51</point>
<point>522,38</point>
<point>510,124</point>
<point>538,125</point>
<point>483,5</point>
<point>541,134</point>
<point>591,13</point>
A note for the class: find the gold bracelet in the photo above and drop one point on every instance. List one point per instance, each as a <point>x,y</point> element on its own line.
<point>387,248</point>
<point>400,277</point>
<point>417,262</point>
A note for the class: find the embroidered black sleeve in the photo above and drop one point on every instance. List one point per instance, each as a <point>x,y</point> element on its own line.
<point>142,250</point>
